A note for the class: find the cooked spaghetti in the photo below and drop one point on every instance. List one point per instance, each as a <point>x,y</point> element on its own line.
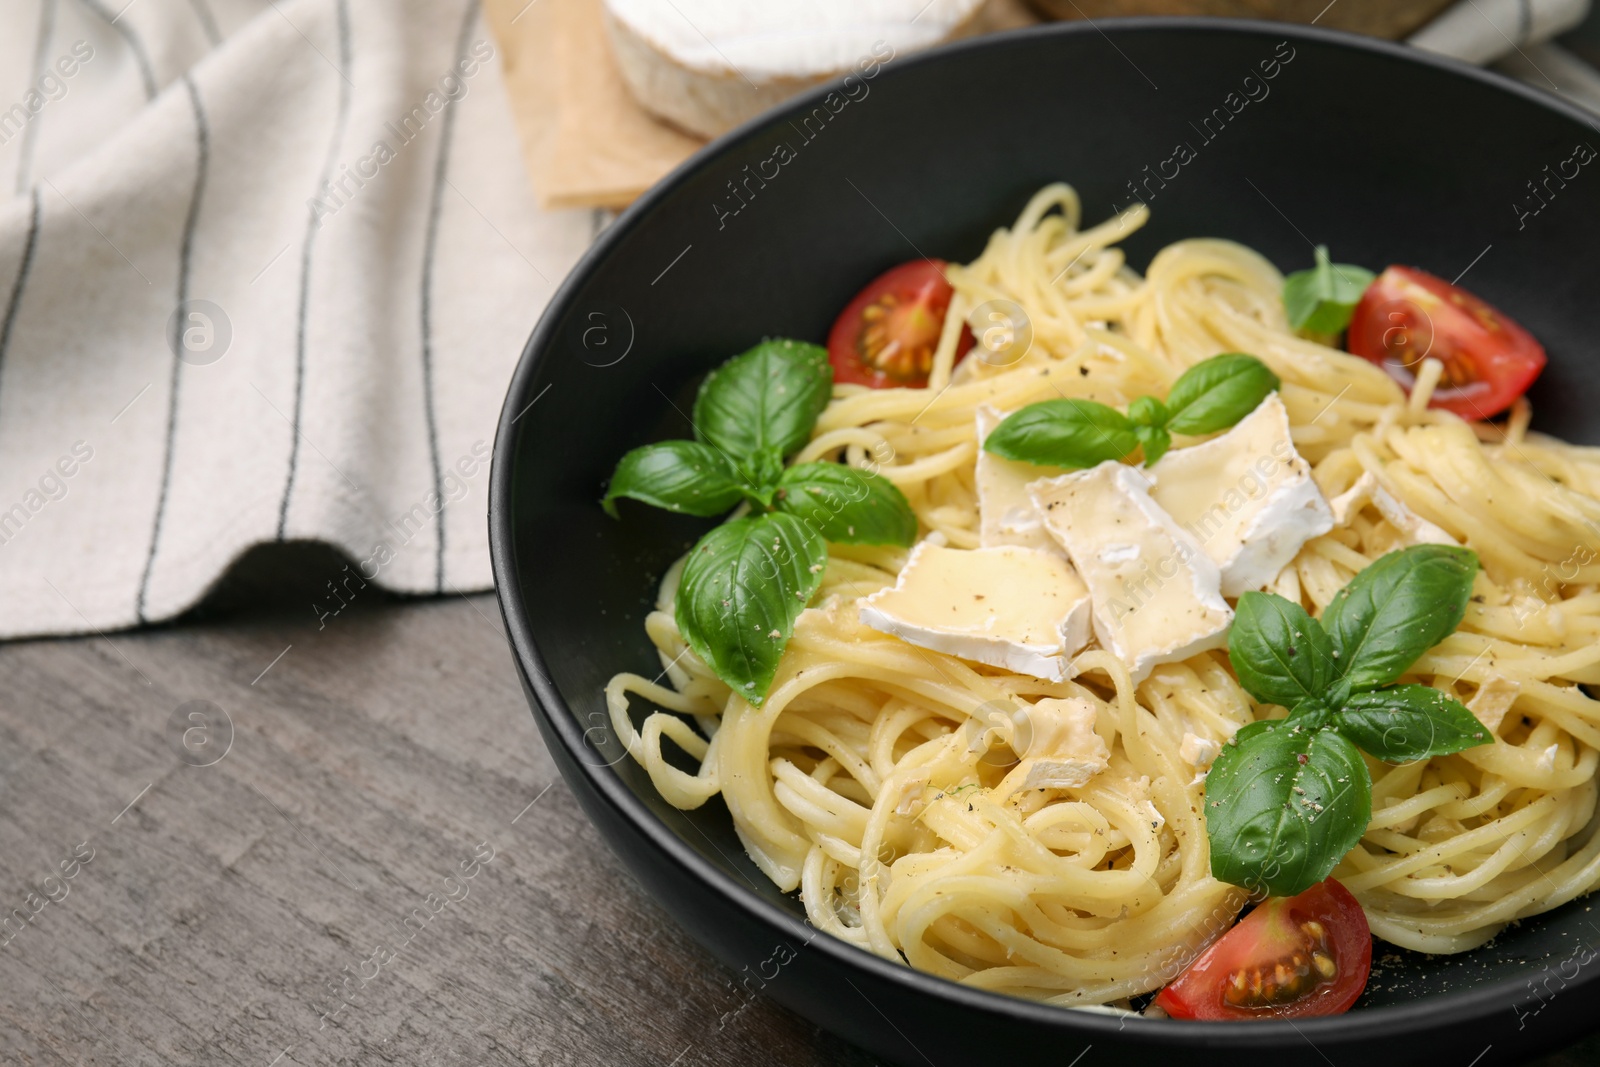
<point>885,781</point>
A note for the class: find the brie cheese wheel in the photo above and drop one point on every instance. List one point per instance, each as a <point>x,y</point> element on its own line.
<point>1246,496</point>
<point>1006,515</point>
<point>708,65</point>
<point>1157,595</point>
<point>1017,608</point>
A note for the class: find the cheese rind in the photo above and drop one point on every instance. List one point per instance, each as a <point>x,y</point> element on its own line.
<point>1157,595</point>
<point>1021,609</point>
<point>1006,515</point>
<point>1246,496</point>
<point>707,65</point>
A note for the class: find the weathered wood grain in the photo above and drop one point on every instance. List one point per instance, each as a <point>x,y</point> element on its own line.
<point>367,763</point>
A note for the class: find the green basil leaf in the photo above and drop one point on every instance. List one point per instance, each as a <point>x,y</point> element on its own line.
<point>683,476</point>
<point>742,587</point>
<point>1407,722</point>
<point>1403,604</point>
<point>762,470</point>
<point>1063,433</point>
<point>1283,806</point>
<point>767,399</point>
<point>1155,440</point>
<point>1311,714</point>
<point>847,505</point>
<point>1217,392</point>
<point>1147,411</point>
<point>1322,299</point>
<point>1281,654</point>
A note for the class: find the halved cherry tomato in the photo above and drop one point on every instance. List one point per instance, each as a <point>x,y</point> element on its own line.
<point>1407,315</point>
<point>886,336</point>
<point>1290,957</point>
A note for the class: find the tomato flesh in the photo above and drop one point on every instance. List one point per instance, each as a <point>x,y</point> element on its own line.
<point>1408,315</point>
<point>886,336</point>
<point>1291,957</point>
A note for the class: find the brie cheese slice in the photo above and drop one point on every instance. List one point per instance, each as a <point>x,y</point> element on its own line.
<point>1199,752</point>
<point>1157,595</point>
<point>1057,739</point>
<point>1021,609</point>
<point>1246,496</point>
<point>1368,490</point>
<point>1006,515</point>
<point>1493,699</point>
<point>909,797</point>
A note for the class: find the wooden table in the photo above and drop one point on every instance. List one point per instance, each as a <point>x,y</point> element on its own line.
<point>236,892</point>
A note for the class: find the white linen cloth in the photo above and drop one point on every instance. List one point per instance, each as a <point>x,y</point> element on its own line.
<point>1555,70</point>
<point>1480,31</point>
<point>320,205</point>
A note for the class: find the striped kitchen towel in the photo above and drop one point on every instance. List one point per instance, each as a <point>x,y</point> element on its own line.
<point>265,268</point>
<point>1480,31</point>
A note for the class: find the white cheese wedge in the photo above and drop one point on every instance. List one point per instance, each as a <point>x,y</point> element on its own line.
<point>1368,490</point>
<point>1246,496</point>
<point>1493,699</point>
<point>1199,752</point>
<point>1017,608</point>
<point>1157,595</point>
<point>910,798</point>
<point>1137,790</point>
<point>1060,774</point>
<point>1006,515</point>
<point>1061,748</point>
<point>707,65</point>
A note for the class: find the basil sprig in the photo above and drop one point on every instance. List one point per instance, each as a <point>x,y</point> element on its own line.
<point>1322,299</point>
<point>746,581</point>
<point>1286,799</point>
<point>1211,395</point>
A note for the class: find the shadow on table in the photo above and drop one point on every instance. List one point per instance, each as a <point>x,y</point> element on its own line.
<point>291,577</point>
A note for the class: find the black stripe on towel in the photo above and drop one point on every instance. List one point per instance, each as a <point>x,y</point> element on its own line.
<point>41,56</point>
<point>21,281</point>
<point>440,177</point>
<point>313,224</point>
<point>141,57</point>
<point>202,134</point>
<point>207,20</point>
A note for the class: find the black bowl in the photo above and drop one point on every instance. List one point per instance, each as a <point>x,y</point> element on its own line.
<point>1384,153</point>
